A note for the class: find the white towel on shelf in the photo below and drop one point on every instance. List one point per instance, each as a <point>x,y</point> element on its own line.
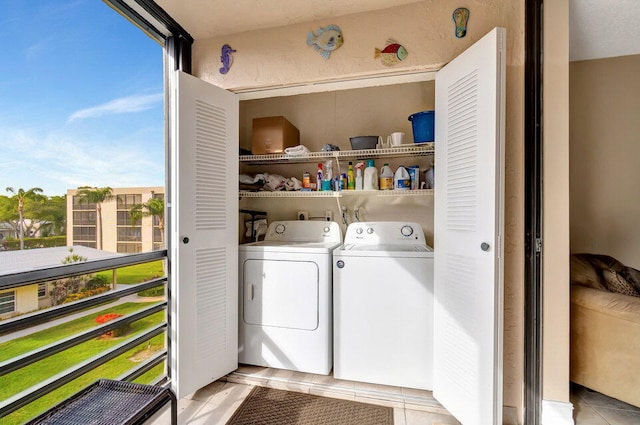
<point>274,182</point>
<point>247,179</point>
<point>293,184</point>
<point>297,150</point>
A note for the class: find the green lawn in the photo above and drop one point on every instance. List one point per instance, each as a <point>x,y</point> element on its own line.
<point>136,274</point>
<point>23,378</point>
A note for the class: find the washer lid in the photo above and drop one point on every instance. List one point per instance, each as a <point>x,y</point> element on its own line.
<point>385,250</point>
<point>289,246</point>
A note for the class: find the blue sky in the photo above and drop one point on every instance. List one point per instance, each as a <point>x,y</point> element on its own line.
<point>81,98</point>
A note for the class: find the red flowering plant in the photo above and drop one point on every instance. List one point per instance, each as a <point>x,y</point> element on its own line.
<point>116,332</point>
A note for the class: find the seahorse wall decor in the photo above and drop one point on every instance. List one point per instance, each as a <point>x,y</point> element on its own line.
<point>226,58</point>
<point>460,18</point>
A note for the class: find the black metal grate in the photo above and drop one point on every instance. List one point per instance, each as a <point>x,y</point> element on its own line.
<point>108,402</point>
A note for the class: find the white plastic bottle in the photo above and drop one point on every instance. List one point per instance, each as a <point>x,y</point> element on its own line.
<point>402,179</point>
<point>386,178</point>
<point>359,183</point>
<point>371,176</point>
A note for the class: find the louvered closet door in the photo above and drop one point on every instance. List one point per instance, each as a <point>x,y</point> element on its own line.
<point>468,232</point>
<point>204,240</point>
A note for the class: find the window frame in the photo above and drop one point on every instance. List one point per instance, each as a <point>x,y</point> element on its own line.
<point>13,302</point>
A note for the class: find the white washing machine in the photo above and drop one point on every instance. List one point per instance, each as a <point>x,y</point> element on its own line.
<point>383,305</point>
<point>285,302</point>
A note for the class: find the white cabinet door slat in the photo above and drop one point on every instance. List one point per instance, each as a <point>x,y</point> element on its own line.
<point>204,240</point>
<point>469,212</point>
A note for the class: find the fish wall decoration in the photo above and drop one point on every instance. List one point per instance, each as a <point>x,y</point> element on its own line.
<point>460,18</point>
<point>392,54</point>
<point>226,58</point>
<point>325,40</point>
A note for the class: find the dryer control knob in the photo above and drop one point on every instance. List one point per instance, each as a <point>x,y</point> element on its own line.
<point>406,230</point>
<point>359,230</point>
<point>370,230</point>
<point>280,229</point>
<point>326,229</point>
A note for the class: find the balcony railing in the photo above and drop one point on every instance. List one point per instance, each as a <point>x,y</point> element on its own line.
<point>58,380</point>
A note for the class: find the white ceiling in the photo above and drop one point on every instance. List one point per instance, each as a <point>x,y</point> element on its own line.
<point>598,28</point>
<point>211,18</point>
<point>603,28</point>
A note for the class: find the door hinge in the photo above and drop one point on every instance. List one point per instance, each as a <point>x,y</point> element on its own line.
<point>538,245</point>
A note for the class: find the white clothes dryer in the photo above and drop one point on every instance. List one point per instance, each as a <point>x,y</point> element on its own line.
<point>285,302</point>
<point>383,305</point>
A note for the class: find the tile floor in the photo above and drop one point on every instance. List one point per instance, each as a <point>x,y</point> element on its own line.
<point>593,408</point>
<point>216,403</point>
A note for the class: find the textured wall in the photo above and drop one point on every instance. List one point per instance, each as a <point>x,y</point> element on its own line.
<point>280,57</point>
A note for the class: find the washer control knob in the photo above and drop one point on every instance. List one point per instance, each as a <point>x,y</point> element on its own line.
<point>326,229</point>
<point>370,230</point>
<point>406,230</point>
<point>359,230</point>
<point>280,229</point>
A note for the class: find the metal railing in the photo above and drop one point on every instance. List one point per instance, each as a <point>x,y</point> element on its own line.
<point>52,383</point>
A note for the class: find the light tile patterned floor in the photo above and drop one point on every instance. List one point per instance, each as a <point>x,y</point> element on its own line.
<point>216,403</point>
<point>593,408</point>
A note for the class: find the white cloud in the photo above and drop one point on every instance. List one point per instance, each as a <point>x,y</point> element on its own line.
<point>58,161</point>
<point>122,105</point>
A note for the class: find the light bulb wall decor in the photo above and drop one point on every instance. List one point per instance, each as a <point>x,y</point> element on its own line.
<point>460,18</point>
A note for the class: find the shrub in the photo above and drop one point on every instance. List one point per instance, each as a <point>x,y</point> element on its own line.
<point>84,294</point>
<point>97,281</point>
<point>30,243</point>
<point>116,332</point>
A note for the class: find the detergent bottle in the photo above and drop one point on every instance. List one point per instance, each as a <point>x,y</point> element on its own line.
<point>359,178</point>
<point>351,184</point>
<point>386,178</point>
<point>370,176</point>
<point>402,179</point>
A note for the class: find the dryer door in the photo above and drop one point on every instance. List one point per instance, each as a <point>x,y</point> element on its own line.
<point>281,293</point>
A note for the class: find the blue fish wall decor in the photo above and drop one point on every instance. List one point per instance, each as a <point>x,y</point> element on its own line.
<point>226,58</point>
<point>460,18</point>
<point>325,40</point>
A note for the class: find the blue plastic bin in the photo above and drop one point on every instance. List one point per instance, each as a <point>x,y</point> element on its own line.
<point>423,123</point>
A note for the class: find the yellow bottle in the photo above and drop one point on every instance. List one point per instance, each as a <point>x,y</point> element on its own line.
<point>351,182</point>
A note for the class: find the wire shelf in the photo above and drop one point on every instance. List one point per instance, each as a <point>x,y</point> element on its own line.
<point>420,149</point>
<point>340,194</point>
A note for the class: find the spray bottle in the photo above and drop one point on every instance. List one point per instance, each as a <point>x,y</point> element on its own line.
<point>319,176</point>
<point>359,178</point>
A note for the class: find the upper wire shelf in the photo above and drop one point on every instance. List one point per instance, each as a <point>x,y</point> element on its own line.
<point>420,149</point>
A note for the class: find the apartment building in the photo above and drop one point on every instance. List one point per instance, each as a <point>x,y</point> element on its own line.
<point>119,233</point>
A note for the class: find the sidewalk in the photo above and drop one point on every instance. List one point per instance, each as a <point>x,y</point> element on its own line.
<point>28,331</point>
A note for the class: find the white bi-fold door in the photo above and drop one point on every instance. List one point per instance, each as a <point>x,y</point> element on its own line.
<point>468,257</point>
<point>468,233</point>
<point>203,208</point>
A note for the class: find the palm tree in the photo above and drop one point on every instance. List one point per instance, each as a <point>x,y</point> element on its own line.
<point>20,195</point>
<point>96,195</point>
<point>154,207</point>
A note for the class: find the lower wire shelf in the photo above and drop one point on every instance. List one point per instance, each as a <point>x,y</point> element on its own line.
<point>331,194</point>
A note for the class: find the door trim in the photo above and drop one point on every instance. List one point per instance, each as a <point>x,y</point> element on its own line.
<point>533,246</point>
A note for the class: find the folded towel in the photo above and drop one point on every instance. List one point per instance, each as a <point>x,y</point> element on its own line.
<point>259,226</point>
<point>274,182</point>
<point>247,179</point>
<point>293,184</point>
<point>297,150</point>
<point>330,148</point>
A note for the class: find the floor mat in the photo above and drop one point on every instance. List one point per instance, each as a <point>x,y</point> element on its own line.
<point>268,406</point>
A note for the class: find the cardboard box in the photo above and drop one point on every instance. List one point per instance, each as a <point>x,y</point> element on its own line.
<point>273,135</point>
